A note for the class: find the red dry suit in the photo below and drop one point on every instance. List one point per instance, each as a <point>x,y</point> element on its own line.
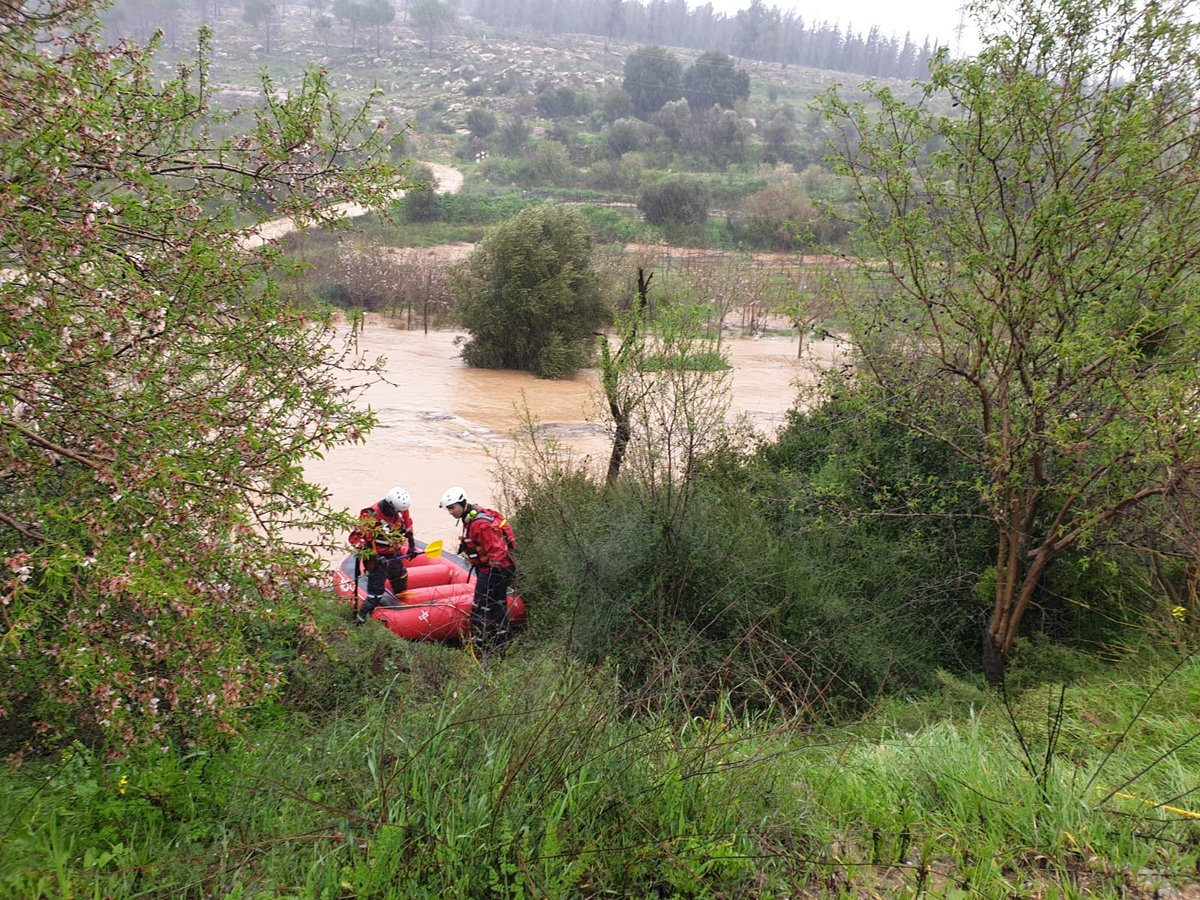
<point>487,539</point>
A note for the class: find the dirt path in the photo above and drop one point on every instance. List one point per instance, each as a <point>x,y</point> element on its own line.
<point>449,181</point>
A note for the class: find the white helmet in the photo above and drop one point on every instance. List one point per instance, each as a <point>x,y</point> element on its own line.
<point>399,499</point>
<point>453,495</point>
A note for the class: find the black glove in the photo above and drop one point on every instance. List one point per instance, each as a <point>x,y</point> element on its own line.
<point>412,545</point>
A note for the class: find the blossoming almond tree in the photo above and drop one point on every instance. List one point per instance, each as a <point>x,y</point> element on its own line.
<point>157,397</point>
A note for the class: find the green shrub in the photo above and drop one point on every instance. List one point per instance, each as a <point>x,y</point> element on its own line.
<point>612,226</point>
<point>781,217</point>
<point>675,202</point>
<point>478,209</point>
<point>560,102</point>
<point>420,201</point>
<point>481,122</point>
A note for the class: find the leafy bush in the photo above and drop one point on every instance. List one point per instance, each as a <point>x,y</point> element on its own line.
<point>712,80</point>
<point>675,121</point>
<point>786,576</point>
<point>481,122</point>
<point>478,209</point>
<point>653,76</point>
<point>624,136</point>
<point>513,135</point>
<point>420,201</point>
<point>720,136</point>
<point>616,105</point>
<point>560,102</point>
<point>552,165</point>
<point>624,174</point>
<point>675,202</point>
<point>501,170</point>
<point>781,217</point>
<point>610,225</point>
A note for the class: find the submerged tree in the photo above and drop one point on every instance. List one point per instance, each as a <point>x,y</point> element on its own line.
<point>157,397</point>
<point>1038,308</point>
<point>529,296</point>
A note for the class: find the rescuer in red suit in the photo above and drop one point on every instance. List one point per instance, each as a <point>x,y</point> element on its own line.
<point>384,539</point>
<point>487,542</point>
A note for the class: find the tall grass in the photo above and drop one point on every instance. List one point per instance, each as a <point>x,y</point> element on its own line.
<point>529,778</point>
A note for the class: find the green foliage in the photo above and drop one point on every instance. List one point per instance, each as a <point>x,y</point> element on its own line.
<point>653,76</point>
<point>499,170</point>
<point>623,174</point>
<point>551,165</point>
<point>778,136</point>
<point>782,217</point>
<point>624,136</point>
<point>158,394</point>
<point>702,361</point>
<point>448,779</point>
<point>713,80</point>
<point>513,135</point>
<point>482,122</point>
<point>616,105</point>
<point>721,136</point>
<point>675,121</point>
<point>1036,238</point>
<point>554,103</point>
<point>475,209</point>
<point>420,201</point>
<point>612,226</point>
<point>528,295</point>
<point>675,202</point>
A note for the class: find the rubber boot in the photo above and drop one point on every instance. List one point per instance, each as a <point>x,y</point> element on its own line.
<point>368,607</point>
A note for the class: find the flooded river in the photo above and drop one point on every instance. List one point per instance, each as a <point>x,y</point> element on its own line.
<point>438,419</point>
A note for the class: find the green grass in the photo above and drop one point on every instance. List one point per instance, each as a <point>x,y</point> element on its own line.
<point>706,361</point>
<point>528,778</point>
<point>419,234</point>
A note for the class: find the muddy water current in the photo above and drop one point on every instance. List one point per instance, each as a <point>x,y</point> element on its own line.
<point>438,419</point>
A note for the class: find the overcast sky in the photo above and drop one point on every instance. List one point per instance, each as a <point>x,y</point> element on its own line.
<point>935,19</point>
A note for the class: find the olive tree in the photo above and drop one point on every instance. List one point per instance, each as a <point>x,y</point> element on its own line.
<point>1030,229</point>
<point>529,296</point>
<point>675,202</point>
<point>714,80</point>
<point>653,76</point>
<point>157,395</point>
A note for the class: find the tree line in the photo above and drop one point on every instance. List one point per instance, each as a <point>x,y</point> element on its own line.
<point>760,32</point>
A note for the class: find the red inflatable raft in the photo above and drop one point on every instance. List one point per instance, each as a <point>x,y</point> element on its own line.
<point>437,604</point>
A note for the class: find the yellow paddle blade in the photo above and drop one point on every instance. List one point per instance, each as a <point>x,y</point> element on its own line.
<point>433,549</point>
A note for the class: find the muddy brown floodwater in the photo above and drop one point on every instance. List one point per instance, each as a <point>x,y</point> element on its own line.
<point>438,419</point>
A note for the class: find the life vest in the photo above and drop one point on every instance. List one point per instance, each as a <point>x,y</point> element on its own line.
<point>480,556</point>
<point>383,534</point>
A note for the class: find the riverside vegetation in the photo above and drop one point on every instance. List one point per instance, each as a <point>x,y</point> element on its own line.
<point>754,666</point>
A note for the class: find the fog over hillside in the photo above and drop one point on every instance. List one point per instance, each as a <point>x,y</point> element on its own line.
<point>759,32</point>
